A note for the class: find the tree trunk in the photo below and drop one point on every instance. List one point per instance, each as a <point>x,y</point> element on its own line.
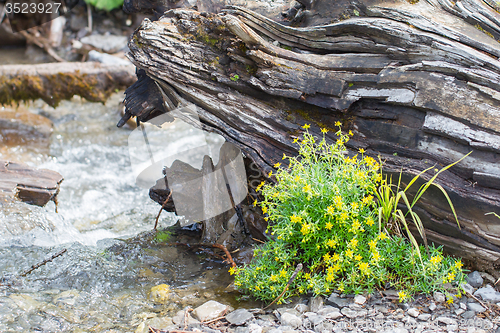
<point>417,84</point>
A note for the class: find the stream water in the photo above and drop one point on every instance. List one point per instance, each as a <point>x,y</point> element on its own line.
<point>102,282</point>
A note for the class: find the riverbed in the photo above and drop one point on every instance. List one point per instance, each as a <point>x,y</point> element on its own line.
<point>104,221</point>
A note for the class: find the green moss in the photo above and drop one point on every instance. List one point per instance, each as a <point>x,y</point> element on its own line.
<point>480,28</point>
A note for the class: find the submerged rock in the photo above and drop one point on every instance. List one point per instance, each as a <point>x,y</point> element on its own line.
<point>160,293</point>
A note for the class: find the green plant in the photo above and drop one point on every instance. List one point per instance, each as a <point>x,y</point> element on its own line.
<point>323,212</point>
<point>107,5</point>
<point>390,215</point>
<point>235,77</point>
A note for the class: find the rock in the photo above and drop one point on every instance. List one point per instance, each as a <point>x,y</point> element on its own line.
<point>160,293</point>
<point>337,301</point>
<point>413,312</point>
<point>458,312</point>
<point>19,126</point>
<point>359,299</point>
<point>468,314</point>
<point>106,43</point>
<point>67,297</point>
<point>488,293</point>
<point>476,307</point>
<point>446,320</point>
<point>439,297</point>
<point>396,330</point>
<point>291,320</point>
<point>25,302</point>
<point>315,303</point>
<point>301,308</point>
<point>432,306</point>
<point>474,279</point>
<point>209,310</point>
<point>330,312</point>
<point>314,318</point>
<point>350,313</point>
<point>107,59</point>
<point>254,328</point>
<point>239,317</point>
<point>424,316</point>
<point>468,288</point>
<point>178,319</point>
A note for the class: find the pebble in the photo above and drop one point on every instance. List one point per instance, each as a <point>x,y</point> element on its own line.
<point>316,303</point>
<point>432,306</point>
<point>160,293</point>
<point>413,312</point>
<point>350,313</point>
<point>359,299</point>
<point>239,317</point>
<point>338,301</point>
<point>291,320</point>
<point>476,307</point>
<point>209,310</point>
<point>475,279</point>
<point>424,317</point>
<point>439,297</point>
<point>488,293</point>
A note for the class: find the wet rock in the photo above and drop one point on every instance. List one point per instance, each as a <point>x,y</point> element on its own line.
<point>239,317</point>
<point>476,307</point>
<point>359,299</point>
<point>178,319</point>
<point>106,43</point>
<point>25,302</point>
<point>210,310</point>
<point>474,279</point>
<point>291,320</point>
<point>160,293</point>
<point>413,312</point>
<point>67,297</point>
<point>19,126</point>
<point>488,293</point>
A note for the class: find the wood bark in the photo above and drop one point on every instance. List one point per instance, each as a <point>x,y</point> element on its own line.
<point>418,85</point>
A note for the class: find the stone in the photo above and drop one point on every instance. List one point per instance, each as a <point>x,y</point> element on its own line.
<point>476,307</point>
<point>396,330</point>
<point>178,319</point>
<point>330,312</point>
<point>446,320</point>
<point>468,314</point>
<point>314,318</point>
<point>488,293</point>
<point>107,59</point>
<point>210,310</point>
<point>315,303</point>
<point>474,279</point>
<point>291,320</point>
<point>458,312</point>
<point>432,306</point>
<point>67,297</point>
<point>239,317</point>
<point>254,328</point>
<point>468,288</point>
<point>350,313</point>
<point>301,308</point>
<point>424,317</point>
<point>106,43</point>
<point>413,312</point>
<point>359,299</point>
<point>439,297</point>
<point>338,301</point>
<point>160,293</point>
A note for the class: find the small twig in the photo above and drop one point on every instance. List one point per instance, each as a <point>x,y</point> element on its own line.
<point>186,317</point>
<point>42,43</point>
<point>153,330</point>
<point>228,255</point>
<point>213,320</point>
<point>258,240</point>
<point>294,275</point>
<point>482,304</point>
<point>43,262</point>
<point>162,206</point>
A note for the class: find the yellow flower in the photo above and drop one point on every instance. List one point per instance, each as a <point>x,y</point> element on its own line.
<point>337,200</point>
<point>328,226</point>
<point>307,276</point>
<point>282,273</point>
<point>361,151</point>
<point>307,188</point>
<point>295,140</point>
<point>274,278</point>
<point>277,165</point>
<point>327,257</point>
<point>232,270</point>
<point>358,257</point>
<point>295,219</point>
<point>376,256</point>
<point>382,236</point>
<point>331,243</point>
<point>353,243</point>
<point>349,253</point>
<point>330,210</point>
<point>324,130</point>
<point>350,133</point>
<point>337,123</point>
<point>370,221</point>
<point>436,260</point>
<point>450,300</point>
<point>255,203</point>
<point>354,205</point>
<point>403,296</point>
<point>270,174</point>
<point>364,267</point>
<point>372,243</point>
<point>259,186</point>
<point>296,179</point>
<point>458,264</point>
<point>335,257</point>
<point>367,199</point>
<point>340,142</point>
<point>264,209</point>
<point>451,277</point>
<point>344,216</point>
<point>305,229</point>
<point>306,126</point>
<point>284,156</point>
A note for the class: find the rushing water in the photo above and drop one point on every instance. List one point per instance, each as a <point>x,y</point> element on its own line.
<point>104,220</point>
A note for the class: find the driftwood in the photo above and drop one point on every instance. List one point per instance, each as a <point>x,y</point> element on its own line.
<point>418,84</point>
<point>57,81</point>
<point>36,187</point>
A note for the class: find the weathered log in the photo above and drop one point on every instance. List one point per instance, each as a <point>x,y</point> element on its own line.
<point>54,82</point>
<point>415,90</point>
<point>36,187</point>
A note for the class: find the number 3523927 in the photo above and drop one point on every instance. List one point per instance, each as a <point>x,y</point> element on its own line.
<point>32,8</point>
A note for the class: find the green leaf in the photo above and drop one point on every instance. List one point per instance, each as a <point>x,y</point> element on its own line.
<point>107,5</point>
